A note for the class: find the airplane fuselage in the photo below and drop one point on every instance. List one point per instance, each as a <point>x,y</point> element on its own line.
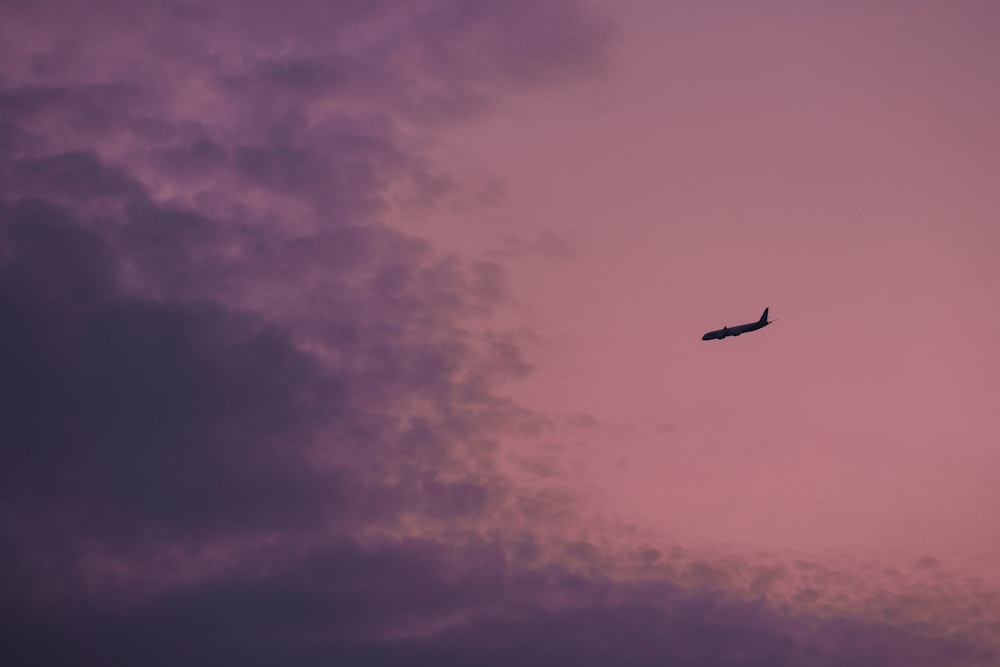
<point>724,332</point>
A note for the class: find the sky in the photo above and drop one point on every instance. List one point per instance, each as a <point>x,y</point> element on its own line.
<point>370,333</point>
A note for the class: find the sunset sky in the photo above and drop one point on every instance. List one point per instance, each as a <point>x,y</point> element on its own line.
<point>369,332</point>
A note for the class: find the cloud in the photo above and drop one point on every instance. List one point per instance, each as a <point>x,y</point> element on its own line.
<point>210,341</point>
<point>419,603</point>
<point>243,419</point>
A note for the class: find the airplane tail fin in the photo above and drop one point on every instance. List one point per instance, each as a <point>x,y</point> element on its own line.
<point>763,318</point>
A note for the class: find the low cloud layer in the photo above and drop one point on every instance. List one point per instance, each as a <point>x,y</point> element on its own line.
<point>243,419</point>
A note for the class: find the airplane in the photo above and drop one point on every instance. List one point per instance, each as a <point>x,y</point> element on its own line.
<point>719,334</point>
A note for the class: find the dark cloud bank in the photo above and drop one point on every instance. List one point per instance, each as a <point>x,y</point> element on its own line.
<point>243,421</point>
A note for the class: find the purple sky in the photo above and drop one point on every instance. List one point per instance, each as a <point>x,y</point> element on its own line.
<point>368,332</point>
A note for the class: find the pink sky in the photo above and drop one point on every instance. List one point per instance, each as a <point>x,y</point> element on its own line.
<point>836,165</point>
<point>370,333</point>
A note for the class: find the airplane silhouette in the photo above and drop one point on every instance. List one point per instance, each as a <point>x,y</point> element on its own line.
<point>719,334</point>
